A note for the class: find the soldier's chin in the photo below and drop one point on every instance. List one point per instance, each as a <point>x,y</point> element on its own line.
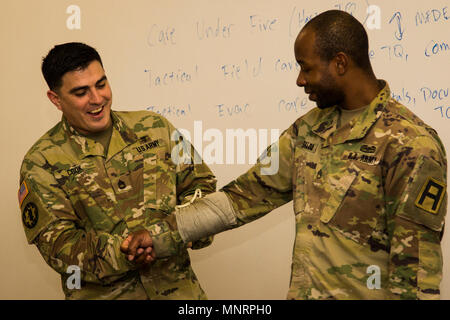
<point>99,127</point>
<point>324,105</point>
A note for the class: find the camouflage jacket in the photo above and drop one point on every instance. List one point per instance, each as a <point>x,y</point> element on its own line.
<point>78,205</point>
<point>369,202</point>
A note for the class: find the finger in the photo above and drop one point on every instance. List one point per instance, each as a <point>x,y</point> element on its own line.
<point>139,252</point>
<point>146,239</point>
<point>133,246</point>
<point>125,244</point>
<point>141,260</point>
<point>149,259</point>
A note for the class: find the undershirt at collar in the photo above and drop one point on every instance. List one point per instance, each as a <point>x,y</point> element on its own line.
<point>345,116</point>
<point>102,137</point>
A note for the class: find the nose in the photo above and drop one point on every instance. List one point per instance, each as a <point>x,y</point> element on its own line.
<point>95,97</point>
<point>301,82</point>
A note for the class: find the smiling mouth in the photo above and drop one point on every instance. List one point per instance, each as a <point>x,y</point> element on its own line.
<point>97,111</point>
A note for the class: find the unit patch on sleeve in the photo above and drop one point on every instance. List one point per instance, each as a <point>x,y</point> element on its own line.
<point>431,195</point>
<point>30,215</point>
<point>424,199</point>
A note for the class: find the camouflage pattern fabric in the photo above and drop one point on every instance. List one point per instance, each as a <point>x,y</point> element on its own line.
<point>371,193</point>
<point>78,205</point>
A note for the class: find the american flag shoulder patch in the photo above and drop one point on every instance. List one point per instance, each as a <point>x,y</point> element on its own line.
<point>23,192</point>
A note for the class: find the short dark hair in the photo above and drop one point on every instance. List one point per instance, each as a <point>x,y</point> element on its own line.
<point>64,58</point>
<point>338,31</point>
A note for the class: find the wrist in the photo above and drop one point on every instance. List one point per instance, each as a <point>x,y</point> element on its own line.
<point>165,242</point>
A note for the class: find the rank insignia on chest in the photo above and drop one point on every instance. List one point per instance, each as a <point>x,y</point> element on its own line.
<point>431,196</point>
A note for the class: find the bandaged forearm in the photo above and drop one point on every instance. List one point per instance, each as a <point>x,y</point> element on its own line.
<point>205,217</point>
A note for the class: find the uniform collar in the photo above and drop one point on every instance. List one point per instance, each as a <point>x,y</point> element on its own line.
<point>357,128</point>
<point>122,136</point>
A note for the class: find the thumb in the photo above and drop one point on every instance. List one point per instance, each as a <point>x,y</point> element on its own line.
<point>125,244</point>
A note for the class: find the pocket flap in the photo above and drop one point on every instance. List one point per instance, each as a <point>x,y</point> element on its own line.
<point>338,185</point>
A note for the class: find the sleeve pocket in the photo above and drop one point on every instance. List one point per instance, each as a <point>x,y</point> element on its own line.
<point>424,200</point>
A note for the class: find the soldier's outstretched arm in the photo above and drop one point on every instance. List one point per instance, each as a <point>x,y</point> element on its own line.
<point>266,186</point>
<point>52,224</point>
<point>193,177</point>
<point>416,205</point>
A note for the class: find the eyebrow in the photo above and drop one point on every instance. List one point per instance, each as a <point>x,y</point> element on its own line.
<point>73,90</point>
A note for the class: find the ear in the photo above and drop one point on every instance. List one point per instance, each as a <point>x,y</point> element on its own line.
<point>54,98</point>
<point>341,63</point>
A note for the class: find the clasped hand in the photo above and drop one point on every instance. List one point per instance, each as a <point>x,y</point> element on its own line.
<point>138,247</point>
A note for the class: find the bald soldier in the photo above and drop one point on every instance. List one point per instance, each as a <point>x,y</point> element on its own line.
<point>367,178</point>
<point>100,175</point>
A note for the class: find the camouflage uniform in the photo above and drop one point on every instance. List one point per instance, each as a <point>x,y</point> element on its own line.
<point>371,193</point>
<point>78,205</point>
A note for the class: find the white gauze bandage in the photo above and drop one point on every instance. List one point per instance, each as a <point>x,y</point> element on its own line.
<point>205,217</point>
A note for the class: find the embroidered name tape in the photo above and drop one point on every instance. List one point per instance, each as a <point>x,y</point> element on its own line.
<point>74,170</point>
<point>308,146</point>
<point>148,146</point>
<point>364,158</point>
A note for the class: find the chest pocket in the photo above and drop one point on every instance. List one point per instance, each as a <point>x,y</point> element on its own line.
<point>338,186</point>
<point>159,179</point>
<point>355,206</point>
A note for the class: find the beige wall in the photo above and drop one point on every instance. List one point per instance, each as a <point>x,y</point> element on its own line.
<point>252,262</point>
